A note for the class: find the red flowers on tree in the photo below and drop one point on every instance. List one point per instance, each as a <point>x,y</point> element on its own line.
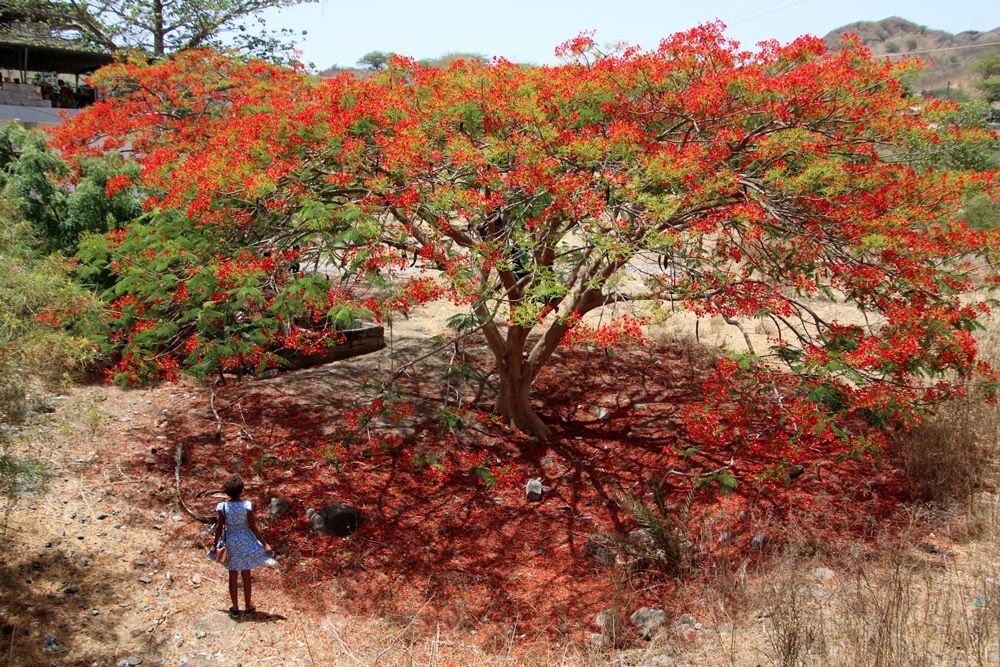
<point>766,182</point>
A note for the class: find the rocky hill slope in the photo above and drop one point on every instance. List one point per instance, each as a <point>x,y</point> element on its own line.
<point>950,58</point>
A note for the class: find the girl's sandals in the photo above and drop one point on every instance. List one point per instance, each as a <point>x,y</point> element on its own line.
<point>249,611</point>
<point>234,612</point>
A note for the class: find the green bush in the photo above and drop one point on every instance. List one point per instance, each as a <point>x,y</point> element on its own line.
<point>42,315</point>
<point>36,180</point>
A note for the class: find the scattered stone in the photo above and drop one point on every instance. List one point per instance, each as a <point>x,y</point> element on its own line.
<point>196,580</point>
<point>759,541</point>
<point>178,640</point>
<point>144,579</point>
<point>600,551</point>
<point>85,561</point>
<point>101,516</point>
<point>131,661</point>
<point>95,612</point>
<point>823,574</point>
<point>175,518</point>
<point>71,589</point>
<point>139,564</point>
<point>612,628</point>
<point>335,519</point>
<point>648,620</point>
<point>600,412</point>
<point>136,633</point>
<point>200,634</point>
<point>278,507</point>
<point>931,549</point>
<point>641,538</point>
<point>52,645</point>
<point>639,407</point>
<point>533,490</point>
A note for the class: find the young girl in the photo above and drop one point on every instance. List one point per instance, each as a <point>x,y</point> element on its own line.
<point>247,549</point>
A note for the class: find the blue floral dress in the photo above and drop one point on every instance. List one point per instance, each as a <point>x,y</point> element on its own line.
<point>245,550</point>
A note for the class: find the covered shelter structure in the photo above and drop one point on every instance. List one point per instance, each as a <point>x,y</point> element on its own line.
<point>26,57</point>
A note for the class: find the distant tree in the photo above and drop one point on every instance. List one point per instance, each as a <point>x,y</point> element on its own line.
<point>375,59</point>
<point>988,67</point>
<point>448,58</point>
<point>158,27</point>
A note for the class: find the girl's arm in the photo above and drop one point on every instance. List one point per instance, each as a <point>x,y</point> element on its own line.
<point>252,523</point>
<point>220,524</point>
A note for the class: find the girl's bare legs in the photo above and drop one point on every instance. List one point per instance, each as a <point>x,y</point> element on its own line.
<point>234,589</point>
<point>247,589</point>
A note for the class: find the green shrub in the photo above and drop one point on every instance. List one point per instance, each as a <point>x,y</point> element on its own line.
<point>42,315</point>
<point>35,180</point>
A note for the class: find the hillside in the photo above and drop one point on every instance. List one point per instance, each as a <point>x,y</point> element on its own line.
<point>950,57</point>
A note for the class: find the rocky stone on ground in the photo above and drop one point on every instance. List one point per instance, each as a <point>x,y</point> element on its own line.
<point>612,629</point>
<point>278,507</point>
<point>823,574</point>
<point>648,620</point>
<point>52,645</point>
<point>335,519</point>
<point>759,541</point>
<point>533,490</point>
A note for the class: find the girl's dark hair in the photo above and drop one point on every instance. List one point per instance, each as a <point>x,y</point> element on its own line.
<point>233,486</point>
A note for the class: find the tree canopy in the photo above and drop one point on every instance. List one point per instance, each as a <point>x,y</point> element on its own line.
<point>157,27</point>
<point>767,182</point>
<point>375,60</point>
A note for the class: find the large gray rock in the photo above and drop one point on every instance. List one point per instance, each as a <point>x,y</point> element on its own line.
<point>533,490</point>
<point>335,519</point>
<point>278,507</point>
<point>648,620</point>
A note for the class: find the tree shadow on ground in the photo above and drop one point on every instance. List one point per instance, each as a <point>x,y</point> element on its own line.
<point>48,602</point>
<point>441,545</point>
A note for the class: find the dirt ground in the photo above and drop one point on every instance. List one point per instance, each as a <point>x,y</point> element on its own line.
<point>103,568</point>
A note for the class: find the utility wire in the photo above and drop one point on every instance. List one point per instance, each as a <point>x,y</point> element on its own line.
<point>944,48</point>
<point>766,13</point>
<point>734,17</point>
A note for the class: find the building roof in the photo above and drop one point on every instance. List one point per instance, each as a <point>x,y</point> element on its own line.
<point>43,58</point>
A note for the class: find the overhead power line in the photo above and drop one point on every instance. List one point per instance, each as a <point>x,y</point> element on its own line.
<point>945,48</point>
<point>762,12</point>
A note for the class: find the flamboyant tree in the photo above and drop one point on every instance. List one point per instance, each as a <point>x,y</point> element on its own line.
<point>766,182</point>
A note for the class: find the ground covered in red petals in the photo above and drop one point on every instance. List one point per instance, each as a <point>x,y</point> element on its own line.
<point>451,537</point>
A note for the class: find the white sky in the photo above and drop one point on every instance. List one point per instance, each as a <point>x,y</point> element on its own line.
<point>341,31</point>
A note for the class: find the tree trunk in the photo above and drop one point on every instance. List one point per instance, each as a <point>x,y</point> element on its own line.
<point>158,29</point>
<point>514,406</point>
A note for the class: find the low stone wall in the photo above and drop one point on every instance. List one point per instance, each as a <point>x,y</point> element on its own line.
<point>362,339</point>
<point>24,95</point>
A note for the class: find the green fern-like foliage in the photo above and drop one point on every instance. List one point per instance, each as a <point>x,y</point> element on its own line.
<point>666,527</point>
